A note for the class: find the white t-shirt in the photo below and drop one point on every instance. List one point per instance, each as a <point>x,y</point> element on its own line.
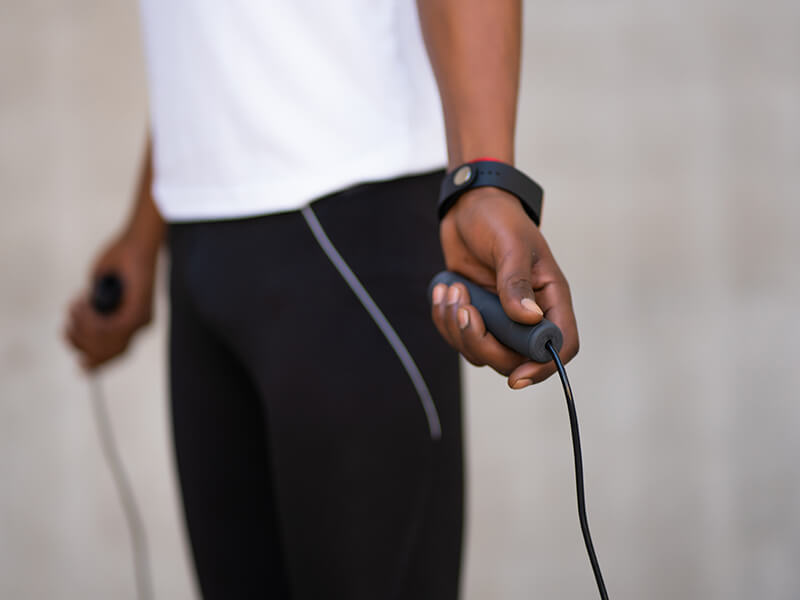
<point>260,106</point>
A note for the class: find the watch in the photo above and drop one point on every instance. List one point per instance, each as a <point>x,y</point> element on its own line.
<point>485,172</point>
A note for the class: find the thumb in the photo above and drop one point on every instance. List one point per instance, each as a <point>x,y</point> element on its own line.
<point>514,285</point>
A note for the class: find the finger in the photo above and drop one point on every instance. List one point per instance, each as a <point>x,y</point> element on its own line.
<point>89,363</point>
<point>514,268</point>
<point>480,347</point>
<point>529,373</point>
<point>457,296</point>
<point>87,346</point>
<point>74,314</point>
<point>555,299</point>
<point>78,328</point>
<point>86,320</point>
<point>89,331</point>
<point>71,335</point>
<point>438,307</point>
<point>86,358</point>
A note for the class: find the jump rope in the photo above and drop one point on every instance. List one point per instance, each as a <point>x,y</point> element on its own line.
<point>106,298</point>
<point>540,343</point>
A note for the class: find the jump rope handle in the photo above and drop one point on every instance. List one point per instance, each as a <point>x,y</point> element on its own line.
<point>107,293</point>
<point>528,340</point>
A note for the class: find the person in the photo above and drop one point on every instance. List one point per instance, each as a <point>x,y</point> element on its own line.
<point>293,166</point>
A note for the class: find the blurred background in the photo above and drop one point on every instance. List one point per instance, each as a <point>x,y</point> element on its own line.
<point>667,136</point>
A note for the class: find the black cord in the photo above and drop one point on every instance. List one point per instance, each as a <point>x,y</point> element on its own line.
<point>141,561</point>
<point>579,492</point>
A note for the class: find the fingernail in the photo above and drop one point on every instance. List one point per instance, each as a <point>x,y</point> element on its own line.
<point>530,305</point>
<point>453,295</point>
<point>521,383</point>
<point>438,293</point>
<point>463,318</point>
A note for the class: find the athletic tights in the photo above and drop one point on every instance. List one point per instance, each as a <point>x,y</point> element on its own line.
<point>316,410</point>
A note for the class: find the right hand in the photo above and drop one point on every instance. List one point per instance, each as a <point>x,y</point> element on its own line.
<point>488,238</point>
<point>98,337</point>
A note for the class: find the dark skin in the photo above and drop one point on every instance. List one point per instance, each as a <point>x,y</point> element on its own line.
<point>132,254</point>
<point>474,48</point>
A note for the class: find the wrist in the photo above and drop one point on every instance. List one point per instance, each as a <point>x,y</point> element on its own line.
<point>476,202</point>
<point>460,154</point>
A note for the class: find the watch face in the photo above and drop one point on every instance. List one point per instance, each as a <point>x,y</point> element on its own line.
<point>463,175</point>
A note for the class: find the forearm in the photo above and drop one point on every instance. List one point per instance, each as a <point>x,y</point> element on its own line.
<point>145,226</point>
<point>474,48</point>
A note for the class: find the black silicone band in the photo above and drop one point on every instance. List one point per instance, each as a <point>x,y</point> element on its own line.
<point>485,173</point>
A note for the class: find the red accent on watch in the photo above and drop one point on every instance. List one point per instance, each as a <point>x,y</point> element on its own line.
<point>474,160</point>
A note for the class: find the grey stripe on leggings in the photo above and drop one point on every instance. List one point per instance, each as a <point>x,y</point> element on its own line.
<point>380,320</point>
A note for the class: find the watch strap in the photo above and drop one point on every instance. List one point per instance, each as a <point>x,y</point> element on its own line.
<point>484,173</point>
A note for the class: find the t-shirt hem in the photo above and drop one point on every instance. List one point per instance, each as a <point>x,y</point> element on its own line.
<point>291,192</point>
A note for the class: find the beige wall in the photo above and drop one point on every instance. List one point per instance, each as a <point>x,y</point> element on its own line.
<point>667,135</point>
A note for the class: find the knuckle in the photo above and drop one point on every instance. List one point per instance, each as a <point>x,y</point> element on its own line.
<point>145,319</point>
<point>474,361</point>
<point>504,370</point>
<point>463,297</point>
<point>517,283</point>
<point>446,337</point>
<point>501,365</point>
<point>472,341</point>
<point>518,280</point>
<point>572,348</point>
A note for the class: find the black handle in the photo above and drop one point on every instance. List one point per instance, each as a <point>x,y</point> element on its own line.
<point>528,340</point>
<point>107,293</point>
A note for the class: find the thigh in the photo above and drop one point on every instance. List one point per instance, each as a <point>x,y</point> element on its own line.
<point>370,503</point>
<point>388,235</point>
<point>370,500</point>
<point>222,459</point>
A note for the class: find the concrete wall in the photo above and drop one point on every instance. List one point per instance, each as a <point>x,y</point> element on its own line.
<point>667,135</point>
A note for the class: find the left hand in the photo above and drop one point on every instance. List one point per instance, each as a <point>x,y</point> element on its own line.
<point>99,338</point>
<point>488,238</point>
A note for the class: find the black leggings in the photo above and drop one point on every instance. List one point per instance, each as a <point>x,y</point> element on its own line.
<point>312,464</point>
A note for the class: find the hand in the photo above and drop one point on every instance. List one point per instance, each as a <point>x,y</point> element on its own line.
<point>488,238</point>
<point>98,337</point>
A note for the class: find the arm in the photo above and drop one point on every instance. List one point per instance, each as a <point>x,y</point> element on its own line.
<point>145,224</point>
<point>132,255</point>
<point>474,48</point>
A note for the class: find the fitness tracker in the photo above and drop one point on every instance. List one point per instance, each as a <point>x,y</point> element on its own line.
<point>482,173</point>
